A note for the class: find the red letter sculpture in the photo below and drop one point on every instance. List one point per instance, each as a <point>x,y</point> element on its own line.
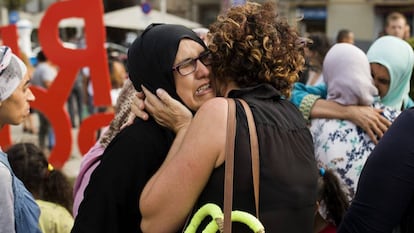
<point>51,102</point>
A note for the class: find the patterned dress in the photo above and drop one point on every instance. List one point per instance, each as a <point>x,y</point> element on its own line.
<point>344,147</point>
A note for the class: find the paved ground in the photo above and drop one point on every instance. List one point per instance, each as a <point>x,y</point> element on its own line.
<point>71,168</point>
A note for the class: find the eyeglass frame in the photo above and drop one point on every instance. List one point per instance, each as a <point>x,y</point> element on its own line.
<point>193,62</point>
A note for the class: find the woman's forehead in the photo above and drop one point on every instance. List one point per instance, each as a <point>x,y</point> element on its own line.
<point>188,49</point>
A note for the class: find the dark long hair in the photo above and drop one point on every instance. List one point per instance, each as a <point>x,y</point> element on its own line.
<point>332,193</point>
<point>30,165</point>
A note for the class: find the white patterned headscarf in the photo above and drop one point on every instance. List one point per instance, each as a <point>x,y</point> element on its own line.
<point>12,71</point>
<point>347,75</point>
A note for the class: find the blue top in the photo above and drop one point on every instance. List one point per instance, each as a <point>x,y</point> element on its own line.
<point>26,211</point>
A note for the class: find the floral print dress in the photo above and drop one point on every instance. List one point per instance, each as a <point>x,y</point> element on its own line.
<point>344,147</point>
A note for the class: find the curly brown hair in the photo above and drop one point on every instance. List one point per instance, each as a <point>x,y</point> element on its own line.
<point>251,44</point>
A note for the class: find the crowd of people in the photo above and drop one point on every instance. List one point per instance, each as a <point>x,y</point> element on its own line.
<point>333,124</point>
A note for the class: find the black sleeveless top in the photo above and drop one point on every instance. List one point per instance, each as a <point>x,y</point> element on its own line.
<point>288,170</point>
<point>384,201</point>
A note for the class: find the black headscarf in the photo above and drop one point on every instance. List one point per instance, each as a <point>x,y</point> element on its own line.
<point>151,56</point>
<point>137,151</point>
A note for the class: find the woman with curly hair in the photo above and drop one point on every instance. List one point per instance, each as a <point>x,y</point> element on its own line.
<point>255,57</point>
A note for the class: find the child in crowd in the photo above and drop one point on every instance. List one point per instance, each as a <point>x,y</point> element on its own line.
<point>50,187</point>
<point>332,202</point>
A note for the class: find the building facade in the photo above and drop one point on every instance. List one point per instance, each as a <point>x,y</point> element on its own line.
<point>364,17</point>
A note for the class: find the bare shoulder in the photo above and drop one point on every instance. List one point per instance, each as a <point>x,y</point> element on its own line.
<point>212,117</point>
<point>213,112</point>
<point>215,106</point>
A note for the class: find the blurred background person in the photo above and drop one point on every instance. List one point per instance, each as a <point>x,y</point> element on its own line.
<point>396,25</point>
<point>50,187</point>
<point>87,91</point>
<point>43,77</point>
<point>332,202</point>
<point>315,51</point>
<point>118,76</point>
<point>345,36</point>
<point>75,100</point>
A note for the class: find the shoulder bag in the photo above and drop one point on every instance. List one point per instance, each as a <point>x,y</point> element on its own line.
<point>224,223</point>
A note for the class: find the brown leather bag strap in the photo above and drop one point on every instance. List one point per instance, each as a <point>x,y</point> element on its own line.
<point>254,151</point>
<point>229,165</point>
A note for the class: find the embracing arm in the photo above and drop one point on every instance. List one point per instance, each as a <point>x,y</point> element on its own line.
<point>170,194</point>
<point>166,110</point>
<point>310,102</point>
<point>366,117</point>
<point>304,96</point>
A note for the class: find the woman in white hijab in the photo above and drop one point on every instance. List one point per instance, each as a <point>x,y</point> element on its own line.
<point>340,145</point>
<point>18,210</point>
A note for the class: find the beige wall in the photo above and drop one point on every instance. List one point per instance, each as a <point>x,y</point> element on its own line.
<point>357,16</point>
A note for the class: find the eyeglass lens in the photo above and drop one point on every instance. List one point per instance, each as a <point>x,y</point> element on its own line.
<point>189,66</point>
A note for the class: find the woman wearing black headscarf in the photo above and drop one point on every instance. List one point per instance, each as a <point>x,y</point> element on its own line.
<point>165,56</point>
<point>255,57</point>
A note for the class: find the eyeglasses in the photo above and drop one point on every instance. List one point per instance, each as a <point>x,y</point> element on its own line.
<point>189,65</point>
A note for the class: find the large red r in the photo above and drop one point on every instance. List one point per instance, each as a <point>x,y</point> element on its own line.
<point>51,102</point>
